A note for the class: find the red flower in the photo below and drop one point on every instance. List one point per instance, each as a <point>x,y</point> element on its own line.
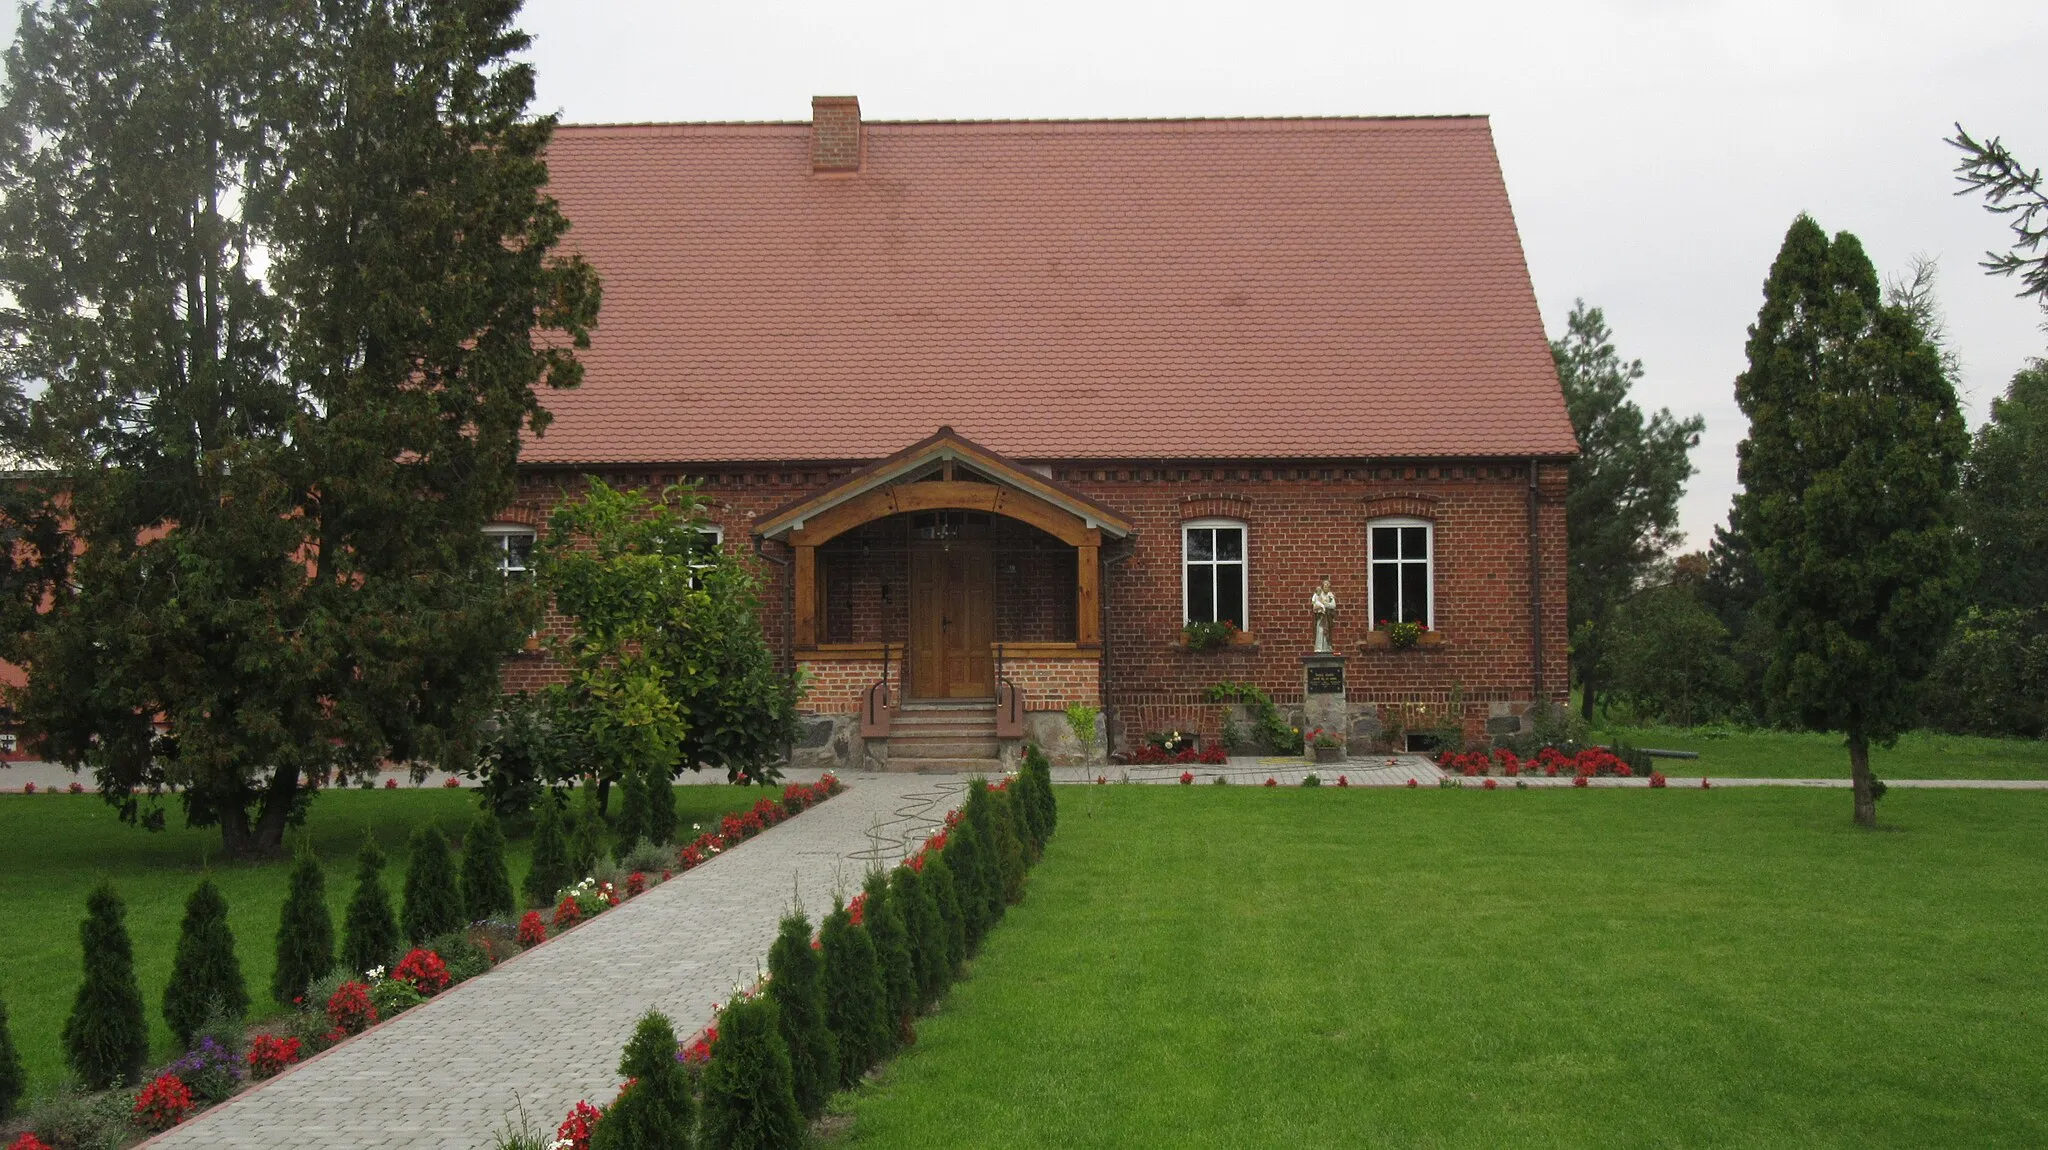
<point>1216,756</point>
<point>577,1128</point>
<point>1703,784</point>
<point>28,1141</point>
<point>1550,769</point>
<point>163,1103</point>
<point>424,971</point>
<point>451,782</point>
<point>1342,781</point>
<point>1657,779</point>
<point>532,931</point>
<point>937,842</point>
<point>269,1054</point>
<point>28,788</point>
<point>1578,780</point>
<point>857,909</point>
<point>390,784</point>
<point>350,1010</point>
<point>1491,784</point>
<point>566,914</point>
<point>76,788</point>
<point>1187,777</point>
<point>700,1051</point>
<point>636,883</point>
<point>1101,779</point>
<point>1412,782</point>
<point>1271,781</point>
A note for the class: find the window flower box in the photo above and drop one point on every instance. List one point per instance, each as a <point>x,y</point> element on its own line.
<point>1381,641</point>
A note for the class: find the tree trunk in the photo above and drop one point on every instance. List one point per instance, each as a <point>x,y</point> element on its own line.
<point>264,838</point>
<point>1587,694</point>
<point>1859,774</point>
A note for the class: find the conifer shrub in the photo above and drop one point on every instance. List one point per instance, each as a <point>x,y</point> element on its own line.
<point>305,933</point>
<point>796,981</point>
<point>106,1037</point>
<point>1011,863</point>
<point>369,933</point>
<point>432,903</point>
<point>885,924</point>
<point>486,887</point>
<point>944,884</point>
<point>1048,805</point>
<point>910,891</point>
<point>971,866</point>
<point>748,1099</point>
<point>661,806</point>
<point>856,1001</point>
<point>550,870</point>
<point>205,974</point>
<point>633,813</point>
<point>586,837</point>
<point>656,1109</point>
<point>13,1079</point>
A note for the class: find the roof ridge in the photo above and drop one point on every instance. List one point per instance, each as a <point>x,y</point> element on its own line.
<point>1078,121</point>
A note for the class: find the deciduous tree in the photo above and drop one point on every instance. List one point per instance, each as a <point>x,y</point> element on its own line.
<point>284,280</point>
<point>1621,509</point>
<point>1849,475</point>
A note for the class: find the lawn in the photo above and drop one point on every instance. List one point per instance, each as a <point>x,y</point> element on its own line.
<point>1206,966</point>
<point>1804,755</point>
<point>54,848</point>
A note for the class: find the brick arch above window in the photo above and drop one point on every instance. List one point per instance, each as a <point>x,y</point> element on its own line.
<point>1412,504</point>
<point>517,516</point>
<point>1215,507</point>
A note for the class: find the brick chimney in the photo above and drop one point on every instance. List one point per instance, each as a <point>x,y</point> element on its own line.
<point>835,135</point>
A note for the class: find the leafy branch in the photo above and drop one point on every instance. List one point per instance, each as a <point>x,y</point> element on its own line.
<point>2009,189</point>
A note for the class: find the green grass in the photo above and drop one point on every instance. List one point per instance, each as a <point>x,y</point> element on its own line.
<point>54,848</point>
<point>1251,967</point>
<point>1805,755</point>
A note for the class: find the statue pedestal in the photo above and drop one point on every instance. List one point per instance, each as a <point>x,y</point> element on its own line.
<point>1322,700</point>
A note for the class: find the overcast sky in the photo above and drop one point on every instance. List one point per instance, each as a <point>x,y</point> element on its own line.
<point>1655,151</point>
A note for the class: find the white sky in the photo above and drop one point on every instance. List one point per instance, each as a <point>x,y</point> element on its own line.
<point>1655,151</point>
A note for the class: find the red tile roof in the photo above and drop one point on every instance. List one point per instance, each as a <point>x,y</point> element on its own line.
<point>1231,289</point>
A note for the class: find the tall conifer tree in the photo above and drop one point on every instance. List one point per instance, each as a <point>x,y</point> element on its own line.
<point>370,931</point>
<point>205,974</point>
<point>486,887</point>
<point>106,1037</point>
<point>432,903</point>
<point>1849,475</point>
<point>885,924</point>
<point>13,1079</point>
<point>550,868</point>
<point>305,933</point>
<point>856,999</point>
<point>796,981</point>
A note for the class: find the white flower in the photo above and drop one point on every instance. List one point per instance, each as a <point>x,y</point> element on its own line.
<point>377,972</point>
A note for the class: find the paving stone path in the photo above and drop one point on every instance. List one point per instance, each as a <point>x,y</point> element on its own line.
<point>546,1028</point>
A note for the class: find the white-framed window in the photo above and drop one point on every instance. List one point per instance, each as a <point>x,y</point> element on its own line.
<point>1215,577</point>
<point>1403,561</point>
<point>512,544</point>
<point>710,537</point>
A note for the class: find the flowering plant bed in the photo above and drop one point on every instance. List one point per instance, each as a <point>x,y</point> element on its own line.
<point>1550,762</point>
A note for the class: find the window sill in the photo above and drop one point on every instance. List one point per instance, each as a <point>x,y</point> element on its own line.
<point>1381,641</point>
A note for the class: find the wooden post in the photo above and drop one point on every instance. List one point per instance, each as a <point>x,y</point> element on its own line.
<point>1088,591</point>
<point>806,596</point>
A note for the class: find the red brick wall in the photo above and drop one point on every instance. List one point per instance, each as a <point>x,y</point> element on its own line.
<point>1051,684</point>
<point>836,686</point>
<point>1304,522</point>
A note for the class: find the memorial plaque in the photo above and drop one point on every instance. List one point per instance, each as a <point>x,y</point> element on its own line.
<point>1326,680</point>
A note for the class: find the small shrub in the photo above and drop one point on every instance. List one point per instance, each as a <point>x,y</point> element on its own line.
<point>550,870</point>
<point>1081,720</point>
<point>655,1108</point>
<point>349,1009</point>
<point>424,971</point>
<point>532,931</point>
<point>163,1103</point>
<point>1219,781</point>
<point>13,1079</point>
<point>462,955</point>
<point>210,1068</point>
<point>486,887</point>
<point>106,1037</point>
<point>389,998</point>
<point>945,890</point>
<point>748,1100</point>
<point>1187,778</point>
<point>1312,780</point>
<point>1658,780</point>
<point>1208,635</point>
<point>269,1054</point>
<point>70,1119</point>
<point>433,905</point>
<point>205,975</point>
<point>856,998</point>
<point>369,934</point>
<point>305,933</point>
<point>646,857</point>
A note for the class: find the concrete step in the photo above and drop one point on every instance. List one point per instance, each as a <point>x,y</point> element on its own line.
<point>900,748</point>
<point>947,766</point>
<point>942,730</point>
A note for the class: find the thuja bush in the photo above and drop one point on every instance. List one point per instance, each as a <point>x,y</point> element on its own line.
<point>13,1080</point>
<point>796,981</point>
<point>661,806</point>
<point>885,925</point>
<point>106,1037</point>
<point>550,870</point>
<point>856,1000</point>
<point>970,863</point>
<point>305,933</point>
<point>656,1108</point>
<point>586,837</point>
<point>1010,852</point>
<point>913,895</point>
<point>748,1098</point>
<point>205,974</point>
<point>633,813</point>
<point>486,888</point>
<point>1039,769</point>
<point>432,904</point>
<point>369,935</point>
<point>940,877</point>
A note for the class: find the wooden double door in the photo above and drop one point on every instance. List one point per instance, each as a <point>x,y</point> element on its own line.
<point>952,621</point>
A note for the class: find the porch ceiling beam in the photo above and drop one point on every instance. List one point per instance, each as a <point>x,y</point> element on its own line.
<point>995,499</point>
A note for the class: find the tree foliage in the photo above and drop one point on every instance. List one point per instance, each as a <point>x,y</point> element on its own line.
<point>205,974</point>
<point>106,1037</point>
<point>656,1109</point>
<point>885,923</point>
<point>910,892</point>
<point>305,933</point>
<point>369,932</point>
<point>284,282</point>
<point>13,1079</point>
<point>1849,474</point>
<point>433,904</point>
<point>2005,495</point>
<point>748,1100</point>
<point>2012,190</point>
<point>550,868</point>
<point>486,886</point>
<point>796,981</point>
<point>856,997</point>
<point>1621,510</point>
<point>1669,657</point>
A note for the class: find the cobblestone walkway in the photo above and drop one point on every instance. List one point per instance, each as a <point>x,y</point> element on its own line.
<point>546,1028</point>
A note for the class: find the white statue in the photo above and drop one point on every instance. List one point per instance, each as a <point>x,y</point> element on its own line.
<point>1324,604</point>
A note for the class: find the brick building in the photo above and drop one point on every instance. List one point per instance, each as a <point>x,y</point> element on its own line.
<point>999,407</point>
